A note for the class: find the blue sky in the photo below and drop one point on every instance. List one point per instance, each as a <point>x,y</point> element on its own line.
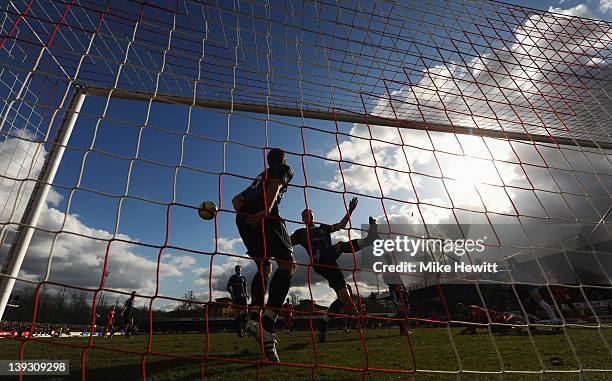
<point>156,180</point>
<point>599,9</point>
<point>145,221</point>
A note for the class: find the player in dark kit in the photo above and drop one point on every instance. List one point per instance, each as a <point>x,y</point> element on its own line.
<point>236,286</point>
<point>265,236</point>
<point>324,255</point>
<point>398,294</point>
<point>526,288</point>
<point>128,315</point>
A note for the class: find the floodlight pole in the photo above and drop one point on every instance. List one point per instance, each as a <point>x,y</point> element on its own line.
<point>38,198</point>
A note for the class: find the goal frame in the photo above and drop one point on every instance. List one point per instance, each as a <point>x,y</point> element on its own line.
<point>344,116</point>
<point>38,198</point>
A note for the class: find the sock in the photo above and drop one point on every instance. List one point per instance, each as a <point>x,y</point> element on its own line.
<point>334,308</point>
<point>268,320</point>
<point>258,292</point>
<point>279,288</point>
<point>546,307</point>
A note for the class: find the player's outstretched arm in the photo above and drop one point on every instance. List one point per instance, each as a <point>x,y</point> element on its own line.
<point>342,223</point>
<point>272,192</point>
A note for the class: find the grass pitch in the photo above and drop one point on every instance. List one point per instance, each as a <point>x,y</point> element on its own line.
<point>438,354</point>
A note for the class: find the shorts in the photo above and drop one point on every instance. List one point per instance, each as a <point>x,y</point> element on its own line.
<point>240,307</point>
<point>128,320</point>
<point>331,271</point>
<point>240,302</point>
<point>277,242</point>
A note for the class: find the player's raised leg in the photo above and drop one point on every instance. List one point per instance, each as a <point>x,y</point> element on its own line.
<point>355,245</point>
<point>317,241</point>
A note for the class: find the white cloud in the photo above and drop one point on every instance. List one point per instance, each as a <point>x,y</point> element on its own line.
<point>228,245</point>
<point>79,251</point>
<point>20,159</point>
<point>499,88</point>
<point>580,10</point>
<point>78,258</point>
<point>340,235</point>
<point>551,58</point>
<point>182,262</point>
<point>221,272</point>
<point>510,73</point>
<point>200,282</point>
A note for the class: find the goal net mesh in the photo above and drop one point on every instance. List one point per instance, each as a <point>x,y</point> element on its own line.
<point>432,113</point>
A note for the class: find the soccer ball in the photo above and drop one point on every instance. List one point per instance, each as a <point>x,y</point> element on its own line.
<point>207,210</point>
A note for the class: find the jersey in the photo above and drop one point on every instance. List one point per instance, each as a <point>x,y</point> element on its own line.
<point>111,317</point>
<point>288,310</point>
<point>129,308</point>
<point>319,236</point>
<point>560,293</point>
<point>479,315</point>
<point>363,312</point>
<point>254,200</point>
<point>237,284</point>
<point>347,309</point>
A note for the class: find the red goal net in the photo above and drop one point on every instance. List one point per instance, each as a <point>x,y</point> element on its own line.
<point>446,119</point>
